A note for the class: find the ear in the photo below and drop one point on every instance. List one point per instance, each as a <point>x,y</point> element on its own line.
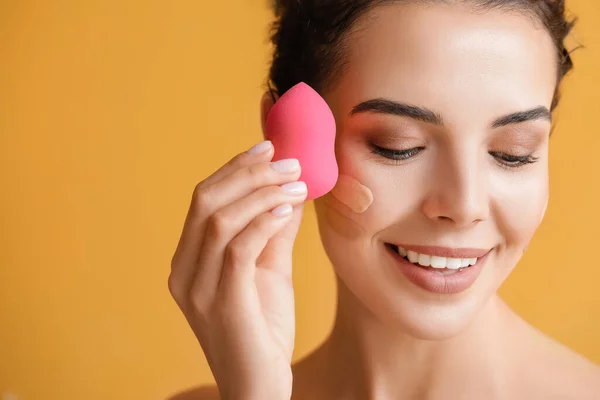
<point>266,103</point>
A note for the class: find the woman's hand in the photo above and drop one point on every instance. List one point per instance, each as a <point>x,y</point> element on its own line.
<point>231,274</point>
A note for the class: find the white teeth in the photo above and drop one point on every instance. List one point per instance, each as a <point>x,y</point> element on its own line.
<point>412,256</point>
<point>438,262</point>
<point>453,263</point>
<point>426,260</point>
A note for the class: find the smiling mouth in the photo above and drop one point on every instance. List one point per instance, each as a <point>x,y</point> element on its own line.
<point>436,264</point>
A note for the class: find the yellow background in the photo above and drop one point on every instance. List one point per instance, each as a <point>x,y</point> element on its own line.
<point>111,112</point>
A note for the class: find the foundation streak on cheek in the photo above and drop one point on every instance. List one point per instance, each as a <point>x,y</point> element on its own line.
<point>344,206</point>
<point>352,193</point>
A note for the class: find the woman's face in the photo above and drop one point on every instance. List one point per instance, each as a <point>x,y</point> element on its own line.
<point>457,174</point>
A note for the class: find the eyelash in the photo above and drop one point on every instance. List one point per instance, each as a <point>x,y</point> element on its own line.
<point>511,161</point>
<point>506,160</point>
<point>396,155</point>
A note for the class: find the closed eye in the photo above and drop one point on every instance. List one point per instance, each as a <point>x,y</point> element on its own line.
<point>513,161</point>
<point>396,155</point>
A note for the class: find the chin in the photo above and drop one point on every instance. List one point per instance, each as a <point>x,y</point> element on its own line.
<point>420,317</point>
<point>431,321</point>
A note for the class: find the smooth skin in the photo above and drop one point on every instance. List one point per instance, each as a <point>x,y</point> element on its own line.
<point>392,339</point>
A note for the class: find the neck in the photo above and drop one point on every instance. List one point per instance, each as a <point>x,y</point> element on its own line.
<point>370,360</point>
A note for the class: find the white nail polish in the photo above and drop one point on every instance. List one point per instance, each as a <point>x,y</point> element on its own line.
<point>286,165</point>
<point>282,210</point>
<point>260,148</point>
<point>297,188</point>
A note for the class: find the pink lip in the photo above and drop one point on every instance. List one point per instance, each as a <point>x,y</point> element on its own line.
<point>437,283</point>
<point>445,251</point>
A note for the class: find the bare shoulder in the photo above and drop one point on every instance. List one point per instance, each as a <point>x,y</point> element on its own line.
<point>558,372</point>
<point>198,393</point>
<point>577,375</point>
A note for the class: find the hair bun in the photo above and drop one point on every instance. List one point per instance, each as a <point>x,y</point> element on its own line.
<point>280,6</point>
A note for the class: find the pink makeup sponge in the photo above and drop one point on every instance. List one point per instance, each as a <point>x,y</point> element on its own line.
<point>301,125</point>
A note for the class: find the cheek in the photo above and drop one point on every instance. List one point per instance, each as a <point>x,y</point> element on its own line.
<point>345,214</point>
<point>353,210</point>
<point>349,214</point>
<point>519,207</point>
<point>356,196</point>
<point>337,221</point>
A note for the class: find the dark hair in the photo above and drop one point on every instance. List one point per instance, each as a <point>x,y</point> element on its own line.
<point>307,36</point>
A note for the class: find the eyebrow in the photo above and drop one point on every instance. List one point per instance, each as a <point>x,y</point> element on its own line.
<point>424,114</point>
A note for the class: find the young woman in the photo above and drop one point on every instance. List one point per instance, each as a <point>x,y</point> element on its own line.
<point>443,113</point>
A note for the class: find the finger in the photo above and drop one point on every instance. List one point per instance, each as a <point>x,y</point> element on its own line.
<point>239,264</point>
<point>188,245</point>
<point>282,244</point>
<point>207,200</point>
<point>244,181</point>
<point>260,152</point>
<point>228,222</point>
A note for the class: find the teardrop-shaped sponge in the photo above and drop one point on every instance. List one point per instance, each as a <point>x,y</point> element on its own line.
<point>301,125</point>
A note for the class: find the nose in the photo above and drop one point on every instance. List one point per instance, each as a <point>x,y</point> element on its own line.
<point>457,190</point>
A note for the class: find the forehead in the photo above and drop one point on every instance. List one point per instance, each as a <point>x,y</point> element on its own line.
<point>444,55</point>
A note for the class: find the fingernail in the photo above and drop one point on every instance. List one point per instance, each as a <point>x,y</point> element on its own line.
<point>286,165</point>
<point>282,210</point>
<point>297,187</point>
<point>259,148</point>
